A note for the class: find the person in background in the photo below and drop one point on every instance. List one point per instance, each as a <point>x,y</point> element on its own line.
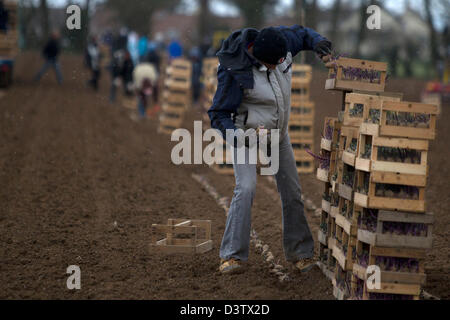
<point>93,57</point>
<point>115,67</point>
<point>4,18</point>
<point>145,79</point>
<point>154,59</point>
<point>143,48</point>
<point>196,58</point>
<point>127,74</point>
<point>175,49</point>
<point>133,47</point>
<point>51,52</point>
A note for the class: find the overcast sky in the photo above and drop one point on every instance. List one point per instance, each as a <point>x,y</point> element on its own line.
<point>219,7</point>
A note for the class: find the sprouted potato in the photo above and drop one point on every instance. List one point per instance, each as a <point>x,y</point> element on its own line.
<point>357,110</point>
<point>403,155</point>
<point>396,191</point>
<point>408,119</point>
<point>367,151</point>
<point>374,116</point>
<point>353,145</point>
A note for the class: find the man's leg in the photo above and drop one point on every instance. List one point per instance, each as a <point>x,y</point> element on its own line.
<point>236,239</point>
<point>141,106</point>
<point>42,71</point>
<point>298,242</point>
<point>58,73</point>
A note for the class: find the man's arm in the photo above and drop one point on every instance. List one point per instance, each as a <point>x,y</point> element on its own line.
<point>301,38</point>
<point>226,101</point>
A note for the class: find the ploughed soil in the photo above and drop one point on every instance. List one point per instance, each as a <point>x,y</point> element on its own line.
<point>82,183</point>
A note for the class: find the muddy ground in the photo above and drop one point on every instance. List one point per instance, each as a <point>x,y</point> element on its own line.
<point>81,184</point>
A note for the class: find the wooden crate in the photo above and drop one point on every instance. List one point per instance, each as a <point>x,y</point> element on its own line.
<point>171,119</point>
<point>330,134</point>
<point>375,235</point>
<point>348,144</point>
<point>166,128</point>
<point>324,174</point>
<point>299,146</point>
<point>305,165</point>
<point>192,242</point>
<point>367,195</point>
<point>340,78</point>
<point>393,121</point>
<point>301,72</point>
<point>170,108</point>
<point>301,129</point>
<point>300,92</point>
<point>342,283</point>
<point>343,239</point>
<point>394,282</point>
<point>361,108</point>
<point>302,111</point>
<point>398,155</point>
<point>345,180</point>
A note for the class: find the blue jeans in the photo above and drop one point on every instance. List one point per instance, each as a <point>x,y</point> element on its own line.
<point>50,63</point>
<point>298,242</point>
<point>142,106</point>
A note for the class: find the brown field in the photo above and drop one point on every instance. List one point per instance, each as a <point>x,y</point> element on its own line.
<point>71,165</point>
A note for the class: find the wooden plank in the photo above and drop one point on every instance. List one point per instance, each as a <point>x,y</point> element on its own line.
<point>363,164</point>
<point>393,204</point>
<point>325,144</point>
<point>396,288</point>
<point>321,237</point>
<point>322,174</point>
<point>401,143</point>
<point>370,129</point>
<point>399,252</point>
<point>408,217</point>
<point>174,229</point>
<point>413,107</point>
<point>399,179</point>
<point>326,206</point>
<point>348,158</point>
<point>398,167</point>
<point>345,192</point>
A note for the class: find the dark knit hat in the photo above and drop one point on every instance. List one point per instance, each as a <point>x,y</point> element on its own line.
<point>270,46</point>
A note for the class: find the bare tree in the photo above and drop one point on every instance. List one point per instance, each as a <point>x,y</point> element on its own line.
<point>43,8</point>
<point>253,10</point>
<point>137,15</point>
<point>203,20</point>
<point>336,13</point>
<point>433,35</point>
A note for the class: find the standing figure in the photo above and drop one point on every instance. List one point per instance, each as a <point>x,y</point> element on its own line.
<point>254,91</point>
<point>145,80</point>
<point>93,57</point>
<point>51,52</point>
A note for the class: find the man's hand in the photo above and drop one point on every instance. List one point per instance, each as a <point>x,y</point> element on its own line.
<point>323,50</point>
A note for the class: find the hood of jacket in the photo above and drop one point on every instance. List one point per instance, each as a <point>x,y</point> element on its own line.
<point>234,57</point>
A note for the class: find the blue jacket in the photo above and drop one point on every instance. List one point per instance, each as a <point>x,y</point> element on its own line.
<point>235,70</point>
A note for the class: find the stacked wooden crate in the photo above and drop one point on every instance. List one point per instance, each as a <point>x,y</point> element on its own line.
<point>381,176</point>
<point>224,164</point>
<point>209,80</point>
<point>394,230</point>
<point>177,95</point>
<point>9,39</point>
<point>325,172</point>
<point>301,121</point>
